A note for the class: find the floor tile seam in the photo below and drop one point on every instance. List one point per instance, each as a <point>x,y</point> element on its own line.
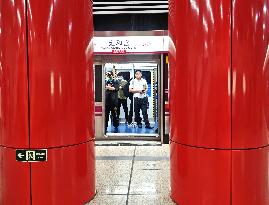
<point>138,159</point>
<point>131,174</point>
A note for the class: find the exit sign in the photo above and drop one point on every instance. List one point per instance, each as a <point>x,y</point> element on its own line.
<point>38,155</point>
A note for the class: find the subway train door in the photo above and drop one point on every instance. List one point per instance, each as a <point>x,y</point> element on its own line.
<point>149,73</point>
<point>126,72</point>
<point>131,130</point>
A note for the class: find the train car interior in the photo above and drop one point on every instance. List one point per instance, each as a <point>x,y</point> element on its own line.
<point>150,74</point>
<point>123,69</point>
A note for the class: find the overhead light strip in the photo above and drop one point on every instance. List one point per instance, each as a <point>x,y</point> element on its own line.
<point>131,7</point>
<point>131,2</point>
<point>128,12</point>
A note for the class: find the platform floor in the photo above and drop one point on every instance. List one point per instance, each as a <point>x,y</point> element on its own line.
<point>125,128</point>
<point>132,174</point>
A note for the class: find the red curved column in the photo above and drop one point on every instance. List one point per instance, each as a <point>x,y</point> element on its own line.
<point>250,102</point>
<point>200,108</point>
<point>46,101</point>
<point>13,75</point>
<point>200,176</point>
<point>68,177</point>
<point>199,84</point>
<point>250,39</point>
<point>13,103</point>
<point>61,90</point>
<point>14,179</point>
<point>61,100</point>
<point>219,97</point>
<point>250,176</point>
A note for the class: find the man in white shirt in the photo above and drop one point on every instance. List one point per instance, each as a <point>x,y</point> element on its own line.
<point>139,87</point>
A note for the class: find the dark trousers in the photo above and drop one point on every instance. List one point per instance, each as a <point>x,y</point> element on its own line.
<point>111,107</point>
<point>141,104</point>
<point>131,112</point>
<point>123,102</point>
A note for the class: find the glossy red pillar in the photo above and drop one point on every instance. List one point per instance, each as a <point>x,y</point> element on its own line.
<point>219,79</point>
<point>47,101</point>
<point>61,99</point>
<point>250,102</point>
<point>200,102</point>
<point>14,176</point>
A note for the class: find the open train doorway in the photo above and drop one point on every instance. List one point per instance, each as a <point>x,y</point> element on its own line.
<point>116,61</point>
<point>123,68</point>
<point>127,110</point>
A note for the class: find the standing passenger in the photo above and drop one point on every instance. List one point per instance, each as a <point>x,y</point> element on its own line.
<point>111,100</point>
<point>122,99</point>
<point>139,87</point>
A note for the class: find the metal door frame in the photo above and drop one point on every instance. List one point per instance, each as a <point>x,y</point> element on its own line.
<point>134,136</point>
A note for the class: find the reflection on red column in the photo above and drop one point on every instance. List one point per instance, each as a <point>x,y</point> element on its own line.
<point>55,73</point>
<point>219,101</point>
<point>200,106</point>
<point>250,102</point>
<point>13,75</point>
<point>61,99</point>
<point>250,74</point>
<point>199,74</point>
<point>14,176</point>
<point>60,63</point>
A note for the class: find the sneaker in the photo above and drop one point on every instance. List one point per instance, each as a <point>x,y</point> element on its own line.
<point>148,127</point>
<point>139,125</point>
<point>116,130</point>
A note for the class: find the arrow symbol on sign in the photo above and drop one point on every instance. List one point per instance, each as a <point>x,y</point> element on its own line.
<point>20,155</point>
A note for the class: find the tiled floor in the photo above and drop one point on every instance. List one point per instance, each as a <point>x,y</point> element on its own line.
<point>133,175</point>
<point>124,128</point>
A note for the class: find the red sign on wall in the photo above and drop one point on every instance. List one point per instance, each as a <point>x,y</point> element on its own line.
<point>119,51</point>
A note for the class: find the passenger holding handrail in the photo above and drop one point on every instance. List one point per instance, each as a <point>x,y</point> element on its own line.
<point>139,87</point>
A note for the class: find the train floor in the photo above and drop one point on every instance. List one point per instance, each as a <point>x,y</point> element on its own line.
<point>125,128</point>
<point>132,174</point>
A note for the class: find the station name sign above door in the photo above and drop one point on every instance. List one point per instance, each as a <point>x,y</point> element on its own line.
<point>130,44</point>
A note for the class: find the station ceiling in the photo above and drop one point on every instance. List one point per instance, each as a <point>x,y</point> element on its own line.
<point>124,15</point>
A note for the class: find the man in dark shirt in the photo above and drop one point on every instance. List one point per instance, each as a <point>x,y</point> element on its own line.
<point>122,99</point>
<point>112,87</point>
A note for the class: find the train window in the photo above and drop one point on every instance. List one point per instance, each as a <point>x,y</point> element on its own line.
<point>98,82</point>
